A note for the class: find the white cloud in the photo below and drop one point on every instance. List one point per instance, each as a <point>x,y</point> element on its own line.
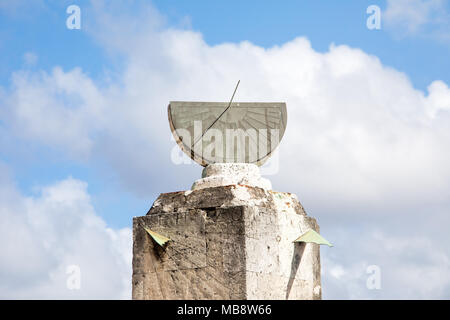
<point>60,109</point>
<point>439,99</point>
<point>42,235</point>
<point>411,267</point>
<point>425,17</point>
<point>362,141</point>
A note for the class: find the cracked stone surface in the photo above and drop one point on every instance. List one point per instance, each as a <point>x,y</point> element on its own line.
<point>228,242</point>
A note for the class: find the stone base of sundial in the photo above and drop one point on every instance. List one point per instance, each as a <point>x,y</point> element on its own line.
<point>227,241</point>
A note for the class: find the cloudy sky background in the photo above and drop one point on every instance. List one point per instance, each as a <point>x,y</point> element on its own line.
<point>85,144</point>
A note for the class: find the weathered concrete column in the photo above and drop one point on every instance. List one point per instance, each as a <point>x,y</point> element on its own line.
<point>228,242</point>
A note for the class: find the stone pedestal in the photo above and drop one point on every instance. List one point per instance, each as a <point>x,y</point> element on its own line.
<point>227,242</point>
<point>225,174</point>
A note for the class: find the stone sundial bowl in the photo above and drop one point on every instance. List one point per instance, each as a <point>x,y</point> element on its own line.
<point>219,132</point>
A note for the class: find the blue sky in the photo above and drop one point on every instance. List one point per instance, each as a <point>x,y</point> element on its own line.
<point>323,22</point>
<point>108,150</point>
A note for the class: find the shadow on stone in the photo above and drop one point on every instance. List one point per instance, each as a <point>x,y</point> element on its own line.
<point>299,248</point>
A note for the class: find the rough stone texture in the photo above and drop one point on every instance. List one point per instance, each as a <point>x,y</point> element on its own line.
<point>225,174</point>
<point>229,242</point>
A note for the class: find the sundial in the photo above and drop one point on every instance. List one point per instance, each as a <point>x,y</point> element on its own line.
<point>197,244</point>
<point>227,132</point>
